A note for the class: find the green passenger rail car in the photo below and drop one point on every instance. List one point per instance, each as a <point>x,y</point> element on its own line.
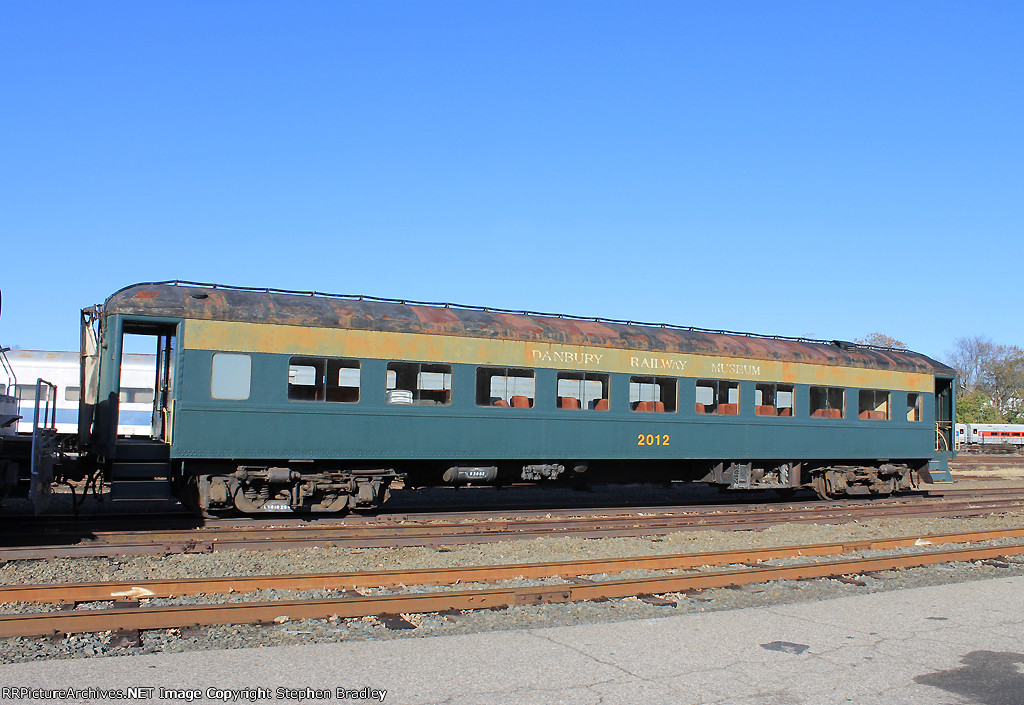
<point>290,401</point>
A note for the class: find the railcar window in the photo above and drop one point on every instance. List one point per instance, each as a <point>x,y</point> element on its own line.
<point>343,381</point>
<point>72,393</point>
<point>774,400</point>
<point>323,379</point>
<point>230,376</point>
<point>657,394</point>
<point>418,383</point>
<point>135,395</point>
<point>27,392</point>
<point>3,389</point>
<point>583,390</point>
<point>506,387</point>
<point>828,402</point>
<point>913,407</point>
<point>873,404</point>
<point>305,381</point>
<point>716,396</point>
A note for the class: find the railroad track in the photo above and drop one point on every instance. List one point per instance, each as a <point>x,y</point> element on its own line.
<point>968,459</point>
<point>15,527</point>
<point>576,587</point>
<point>652,521</point>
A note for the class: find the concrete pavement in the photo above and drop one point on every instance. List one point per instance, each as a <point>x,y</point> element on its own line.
<point>959,643</point>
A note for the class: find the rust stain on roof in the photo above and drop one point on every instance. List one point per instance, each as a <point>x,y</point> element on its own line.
<point>313,310</point>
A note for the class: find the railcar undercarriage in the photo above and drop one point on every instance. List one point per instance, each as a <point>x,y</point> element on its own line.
<point>829,481</point>
<point>256,489</point>
<point>300,487</point>
<point>838,480</point>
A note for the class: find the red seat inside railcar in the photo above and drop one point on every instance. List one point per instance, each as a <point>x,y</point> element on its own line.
<point>568,402</point>
<point>658,406</point>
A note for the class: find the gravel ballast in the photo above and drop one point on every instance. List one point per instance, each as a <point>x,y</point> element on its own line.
<point>334,559</point>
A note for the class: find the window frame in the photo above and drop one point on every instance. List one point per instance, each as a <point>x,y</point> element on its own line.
<point>27,392</point>
<point>484,386</point>
<point>418,369</point>
<point>828,394</point>
<point>325,368</point>
<point>868,406</point>
<point>128,395</point>
<point>917,409</point>
<point>717,386</point>
<point>603,378</point>
<point>775,388</point>
<point>226,357</point>
<point>671,384</point>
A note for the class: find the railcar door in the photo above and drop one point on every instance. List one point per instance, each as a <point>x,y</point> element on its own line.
<point>146,380</point>
<point>163,401</point>
<point>944,414</point>
<point>139,467</point>
<point>89,371</point>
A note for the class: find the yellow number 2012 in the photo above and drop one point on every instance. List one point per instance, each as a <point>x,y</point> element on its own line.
<point>652,439</point>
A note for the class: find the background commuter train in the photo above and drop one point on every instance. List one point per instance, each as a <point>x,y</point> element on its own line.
<point>135,407</point>
<point>990,434</point>
<point>275,401</point>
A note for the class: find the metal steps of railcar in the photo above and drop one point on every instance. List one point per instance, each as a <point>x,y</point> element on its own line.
<point>142,449</point>
<point>140,490</point>
<point>139,471</point>
<point>940,472</point>
<point>139,481</point>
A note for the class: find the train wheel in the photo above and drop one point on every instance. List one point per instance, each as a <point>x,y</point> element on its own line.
<point>188,492</point>
<point>821,487</point>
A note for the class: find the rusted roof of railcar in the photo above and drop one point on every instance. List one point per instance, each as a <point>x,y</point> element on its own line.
<point>179,299</point>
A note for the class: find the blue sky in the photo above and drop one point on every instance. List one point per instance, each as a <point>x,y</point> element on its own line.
<point>793,168</point>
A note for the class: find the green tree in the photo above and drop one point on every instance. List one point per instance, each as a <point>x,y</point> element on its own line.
<point>976,407</point>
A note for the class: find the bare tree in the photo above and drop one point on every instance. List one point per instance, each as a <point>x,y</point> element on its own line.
<point>1002,379</point>
<point>970,357</point>
<point>880,340</point>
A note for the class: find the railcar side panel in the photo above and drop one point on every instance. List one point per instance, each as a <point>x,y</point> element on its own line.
<point>268,425</point>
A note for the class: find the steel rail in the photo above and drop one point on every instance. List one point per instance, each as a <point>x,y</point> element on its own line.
<point>55,525</point>
<point>149,617</point>
<point>64,593</point>
<point>14,526</point>
<point>975,492</point>
<point>390,535</point>
<point>456,522</point>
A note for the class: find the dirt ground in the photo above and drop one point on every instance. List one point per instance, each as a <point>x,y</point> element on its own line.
<point>992,468</point>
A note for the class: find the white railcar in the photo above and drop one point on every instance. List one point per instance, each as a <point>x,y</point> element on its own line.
<point>135,408</point>
<point>990,434</point>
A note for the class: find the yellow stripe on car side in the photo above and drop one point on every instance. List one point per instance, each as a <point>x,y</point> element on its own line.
<point>366,344</point>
